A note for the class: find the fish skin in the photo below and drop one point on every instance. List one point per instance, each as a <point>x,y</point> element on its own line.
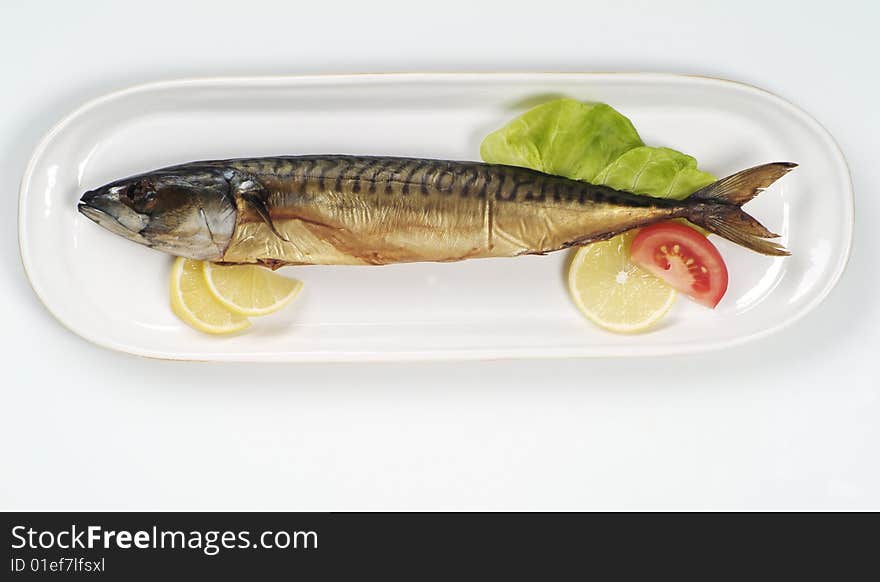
<point>345,210</point>
<point>363,210</point>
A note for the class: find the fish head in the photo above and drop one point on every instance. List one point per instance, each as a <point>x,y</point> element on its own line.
<point>187,212</point>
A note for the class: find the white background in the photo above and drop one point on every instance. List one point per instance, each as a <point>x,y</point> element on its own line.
<point>790,422</point>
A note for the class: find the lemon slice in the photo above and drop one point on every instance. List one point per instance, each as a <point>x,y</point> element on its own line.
<point>250,289</point>
<point>612,291</point>
<point>192,301</point>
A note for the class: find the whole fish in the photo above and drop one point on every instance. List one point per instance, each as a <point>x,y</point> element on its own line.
<point>359,210</point>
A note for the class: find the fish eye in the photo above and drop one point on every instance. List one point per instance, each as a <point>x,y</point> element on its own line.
<point>140,196</point>
<point>143,190</point>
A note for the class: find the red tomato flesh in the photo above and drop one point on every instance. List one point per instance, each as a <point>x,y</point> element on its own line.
<point>683,258</point>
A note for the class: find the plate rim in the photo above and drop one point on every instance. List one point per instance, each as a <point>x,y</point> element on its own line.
<point>848,213</point>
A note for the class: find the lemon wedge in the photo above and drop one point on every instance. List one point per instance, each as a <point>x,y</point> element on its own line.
<point>249,289</point>
<point>612,291</point>
<point>192,301</point>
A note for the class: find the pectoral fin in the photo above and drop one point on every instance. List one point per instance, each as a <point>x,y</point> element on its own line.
<point>257,197</point>
<point>259,204</point>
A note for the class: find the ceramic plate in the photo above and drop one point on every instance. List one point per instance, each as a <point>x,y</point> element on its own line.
<point>115,293</point>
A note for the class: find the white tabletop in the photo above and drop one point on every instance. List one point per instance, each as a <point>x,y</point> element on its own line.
<point>789,422</point>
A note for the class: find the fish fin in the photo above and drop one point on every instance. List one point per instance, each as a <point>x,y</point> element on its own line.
<point>259,204</point>
<point>273,264</point>
<point>718,208</point>
<point>254,194</point>
<point>743,186</point>
<point>733,224</point>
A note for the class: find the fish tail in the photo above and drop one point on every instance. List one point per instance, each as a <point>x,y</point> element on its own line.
<point>717,207</point>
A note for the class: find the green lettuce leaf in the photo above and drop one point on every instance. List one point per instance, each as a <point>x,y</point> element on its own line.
<point>659,172</point>
<point>595,143</point>
<point>563,137</point>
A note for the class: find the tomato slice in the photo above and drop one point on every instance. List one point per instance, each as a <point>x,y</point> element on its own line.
<point>683,258</point>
